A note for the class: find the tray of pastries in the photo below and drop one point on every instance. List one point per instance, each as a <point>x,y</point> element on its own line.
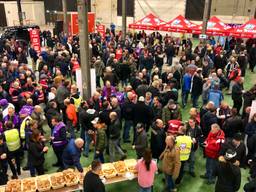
<point>43,183</point>
<point>130,165</point>
<point>57,180</point>
<point>13,186</point>
<point>81,176</point>
<point>70,177</point>
<point>120,167</point>
<point>109,170</point>
<point>29,185</point>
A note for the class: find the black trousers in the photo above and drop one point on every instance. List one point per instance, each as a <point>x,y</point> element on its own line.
<point>178,180</point>
<point>13,158</point>
<point>58,152</point>
<point>238,104</point>
<point>39,169</point>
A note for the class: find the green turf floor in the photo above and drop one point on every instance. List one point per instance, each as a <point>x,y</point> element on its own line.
<point>188,183</point>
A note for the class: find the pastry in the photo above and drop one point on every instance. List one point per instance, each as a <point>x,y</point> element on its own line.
<point>70,177</point>
<point>130,165</point>
<point>120,167</point>
<point>57,180</point>
<point>13,186</point>
<point>43,183</point>
<point>29,185</point>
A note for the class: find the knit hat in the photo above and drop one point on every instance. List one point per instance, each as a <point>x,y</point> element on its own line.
<point>24,112</point>
<point>230,154</point>
<point>3,102</point>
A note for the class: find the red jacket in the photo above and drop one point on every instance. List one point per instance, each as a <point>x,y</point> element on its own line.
<point>71,114</point>
<point>173,126</point>
<point>213,144</point>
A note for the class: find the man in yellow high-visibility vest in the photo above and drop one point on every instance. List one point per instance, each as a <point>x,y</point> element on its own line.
<point>12,139</point>
<point>184,143</point>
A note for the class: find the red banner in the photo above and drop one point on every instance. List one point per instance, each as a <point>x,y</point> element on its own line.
<point>35,39</point>
<point>102,30</point>
<point>74,23</point>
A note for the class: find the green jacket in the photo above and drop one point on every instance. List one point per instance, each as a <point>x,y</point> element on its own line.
<point>101,139</point>
<point>168,114</point>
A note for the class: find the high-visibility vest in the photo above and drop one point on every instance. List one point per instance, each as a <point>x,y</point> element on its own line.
<point>184,143</point>
<point>77,102</point>
<point>23,126</point>
<point>12,139</point>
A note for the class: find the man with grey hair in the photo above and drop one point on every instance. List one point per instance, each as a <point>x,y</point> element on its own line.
<point>114,137</point>
<point>72,153</point>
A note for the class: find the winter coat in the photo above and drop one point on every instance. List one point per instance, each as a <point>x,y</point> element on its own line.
<point>213,144</point>
<point>171,161</point>
<point>157,142</point>
<point>71,114</point>
<point>232,125</point>
<point>71,155</point>
<point>228,176</point>
<point>141,143</point>
<point>237,93</point>
<point>206,122</point>
<point>168,114</point>
<point>250,128</point>
<point>35,153</point>
<point>142,113</point>
<point>115,129</point>
<point>127,110</point>
<point>99,66</point>
<point>197,85</point>
<point>101,138</point>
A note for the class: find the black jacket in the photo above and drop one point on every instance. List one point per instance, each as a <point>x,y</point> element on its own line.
<point>240,151</point>
<point>93,183</point>
<point>197,86</point>
<point>141,143</point>
<point>237,91</point>
<point>229,177</point>
<point>157,142</point>
<point>142,113</point>
<point>206,122</point>
<point>233,125</point>
<point>127,110</point>
<point>251,186</point>
<point>85,118</point>
<point>115,129</point>
<point>154,91</point>
<point>35,153</point>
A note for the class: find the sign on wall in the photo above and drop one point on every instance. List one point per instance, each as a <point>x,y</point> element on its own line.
<point>74,23</point>
<point>35,39</point>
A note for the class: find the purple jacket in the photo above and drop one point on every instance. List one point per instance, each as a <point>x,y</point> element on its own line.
<point>28,109</point>
<point>59,134</point>
<point>15,120</point>
<point>120,97</point>
<point>105,94</point>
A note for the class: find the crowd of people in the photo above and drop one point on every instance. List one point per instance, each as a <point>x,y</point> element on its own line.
<point>139,83</point>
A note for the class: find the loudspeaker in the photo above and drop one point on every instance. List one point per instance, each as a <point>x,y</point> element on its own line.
<point>58,27</point>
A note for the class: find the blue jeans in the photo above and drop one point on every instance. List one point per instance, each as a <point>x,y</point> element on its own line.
<point>127,126</point>
<point>210,166</point>
<point>169,182</point>
<point>88,141</point>
<point>142,189</point>
<point>195,100</point>
<point>191,162</point>
<point>184,98</point>
<point>99,156</point>
<point>82,135</point>
<point>114,148</point>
